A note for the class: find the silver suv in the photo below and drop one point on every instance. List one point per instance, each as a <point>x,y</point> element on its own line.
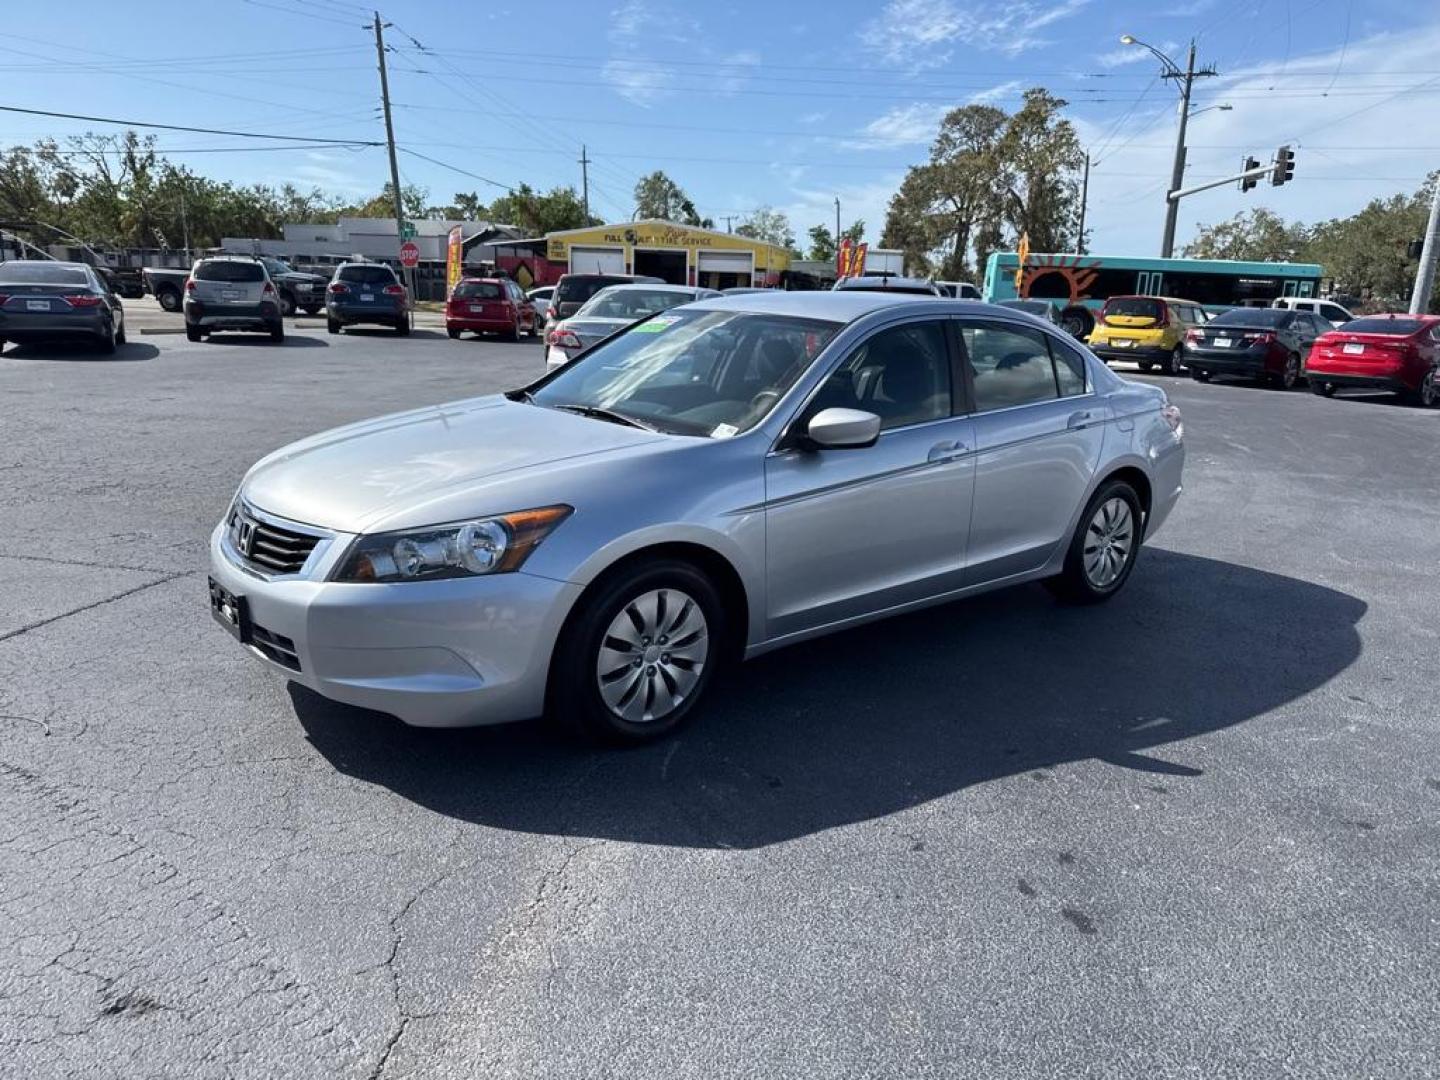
<point>231,292</point>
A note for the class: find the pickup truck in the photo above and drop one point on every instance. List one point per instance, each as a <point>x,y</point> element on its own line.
<point>297,289</point>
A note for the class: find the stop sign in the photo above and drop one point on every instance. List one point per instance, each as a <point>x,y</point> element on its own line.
<point>409,253</point>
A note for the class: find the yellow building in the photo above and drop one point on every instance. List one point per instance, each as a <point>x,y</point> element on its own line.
<point>680,254</point>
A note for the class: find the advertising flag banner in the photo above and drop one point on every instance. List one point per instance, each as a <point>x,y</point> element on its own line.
<point>842,257</point>
<point>454,259</point>
<point>1024,255</point>
<point>857,262</point>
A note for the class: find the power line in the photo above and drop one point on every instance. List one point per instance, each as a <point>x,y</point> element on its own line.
<point>302,14</point>
<point>455,168</point>
<point>184,127</point>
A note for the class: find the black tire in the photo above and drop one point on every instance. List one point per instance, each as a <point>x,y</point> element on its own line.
<point>1430,389</point>
<point>534,328</point>
<point>169,299</point>
<point>1199,376</point>
<point>120,334</point>
<point>1288,379</point>
<point>513,334</point>
<point>1172,364</point>
<point>332,326</point>
<point>1144,365</point>
<point>192,333</point>
<point>277,333</point>
<point>403,327</point>
<point>287,305</point>
<point>575,702</point>
<point>107,344</point>
<point>452,332</point>
<point>1073,585</point>
<point>1077,322</point>
<point>1322,389</point>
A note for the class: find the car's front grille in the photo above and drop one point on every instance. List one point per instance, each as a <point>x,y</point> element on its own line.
<point>275,647</point>
<point>271,547</point>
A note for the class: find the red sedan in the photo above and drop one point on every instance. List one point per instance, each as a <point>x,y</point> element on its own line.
<point>490,306</point>
<point>1399,353</point>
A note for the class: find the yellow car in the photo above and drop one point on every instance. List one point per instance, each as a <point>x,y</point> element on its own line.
<point>1150,330</point>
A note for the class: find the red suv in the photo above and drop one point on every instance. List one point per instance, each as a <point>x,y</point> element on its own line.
<point>490,305</point>
<point>1380,352</point>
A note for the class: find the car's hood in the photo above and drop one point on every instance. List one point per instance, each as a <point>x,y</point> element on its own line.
<point>368,475</point>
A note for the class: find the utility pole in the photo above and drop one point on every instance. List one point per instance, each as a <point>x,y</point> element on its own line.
<point>1084,200</point>
<point>1429,257</point>
<point>185,224</point>
<point>585,182</point>
<point>390,141</point>
<point>728,219</point>
<point>1177,170</point>
<point>837,220</point>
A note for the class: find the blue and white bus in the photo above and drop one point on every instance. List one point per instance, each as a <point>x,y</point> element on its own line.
<point>1080,284</point>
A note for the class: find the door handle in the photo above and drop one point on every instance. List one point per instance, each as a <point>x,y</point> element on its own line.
<point>1079,420</point>
<point>945,451</point>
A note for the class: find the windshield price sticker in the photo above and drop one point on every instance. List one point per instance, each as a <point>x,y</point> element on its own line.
<point>655,325</point>
<point>724,431</point>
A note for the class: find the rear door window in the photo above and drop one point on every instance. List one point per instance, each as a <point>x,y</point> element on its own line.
<point>1010,365</point>
<point>233,272</point>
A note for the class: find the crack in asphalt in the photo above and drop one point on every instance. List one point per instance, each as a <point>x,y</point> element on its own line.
<point>79,562</point>
<point>38,623</point>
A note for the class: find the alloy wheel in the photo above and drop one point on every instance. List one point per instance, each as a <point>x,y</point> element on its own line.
<point>1109,540</point>
<point>1292,372</point>
<point>1430,390</point>
<point>652,654</point>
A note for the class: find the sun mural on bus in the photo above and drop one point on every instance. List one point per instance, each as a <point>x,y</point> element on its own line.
<point>1077,274</point>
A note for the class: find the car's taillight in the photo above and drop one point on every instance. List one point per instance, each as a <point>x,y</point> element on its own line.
<point>1164,319</point>
<point>394,290</point>
<point>563,339</point>
<point>1266,338</point>
<point>1099,318</point>
<point>82,300</point>
<point>4,299</point>
<point>190,285</point>
<point>269,290</point>
<point>339,287</point>
<point>1194,336</point>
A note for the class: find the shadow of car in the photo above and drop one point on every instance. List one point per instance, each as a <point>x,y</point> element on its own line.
<point>882,718</point>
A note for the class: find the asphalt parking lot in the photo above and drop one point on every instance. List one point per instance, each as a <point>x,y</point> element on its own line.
<point>1193,832</point>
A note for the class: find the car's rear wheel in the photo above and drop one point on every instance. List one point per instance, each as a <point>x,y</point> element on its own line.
<point>1289,378</point>
<point>1173,363</point>
<point>277,333</point>
<point>332,326</point>
<point>1430,389</point>
<point>1104,548</point>
<point>534,327</point>
<point>636,659</point>
<point>513,334</point>
<point>452,332</point>
<point>169,299</point>
<point>1199,376</point>
<point>403,326</point>
<point>120,334</point>
<point>192,333</point>
<point>1144,365</point>
<point>1323,389</point>
<point>107,343</point>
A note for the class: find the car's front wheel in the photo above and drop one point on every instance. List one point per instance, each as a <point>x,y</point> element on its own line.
<point>635,661</point>
<point>1103,550</point>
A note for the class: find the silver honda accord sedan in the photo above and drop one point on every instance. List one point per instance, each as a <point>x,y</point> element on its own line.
<point>717,481</point>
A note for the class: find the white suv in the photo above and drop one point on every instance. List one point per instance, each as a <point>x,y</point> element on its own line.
<point>231,292</point>
<point>1328,310</point>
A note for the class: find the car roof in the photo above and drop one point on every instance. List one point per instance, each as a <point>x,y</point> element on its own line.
<point>887,281</point>
<point>649,287</point>
<point>844,306</point>
<point>47,262</point>
<point>1147,296</point>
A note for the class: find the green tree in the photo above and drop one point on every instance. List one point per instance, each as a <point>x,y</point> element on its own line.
<point>1365,253</point>
<point>1257,235</point>
<point>822,244</point>
<point>657,196</point>
<point>769,225</point>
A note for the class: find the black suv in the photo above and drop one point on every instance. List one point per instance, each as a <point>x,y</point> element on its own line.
<point>573,290</point>
<point>366,292</point>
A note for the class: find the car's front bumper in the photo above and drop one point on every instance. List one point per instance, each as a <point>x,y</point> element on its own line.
<point>454,653</point>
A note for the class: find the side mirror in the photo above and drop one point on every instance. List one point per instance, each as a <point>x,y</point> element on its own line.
<point>843,429</point>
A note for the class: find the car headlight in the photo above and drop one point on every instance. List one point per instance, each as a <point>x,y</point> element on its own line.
<point>493,545</point>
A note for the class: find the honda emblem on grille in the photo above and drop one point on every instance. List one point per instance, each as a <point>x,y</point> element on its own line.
<point>245,537</point>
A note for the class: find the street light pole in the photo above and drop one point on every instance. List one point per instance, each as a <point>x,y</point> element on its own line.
<point>1429,257</point>
<point>390,142</point>
<point>1186,79</point>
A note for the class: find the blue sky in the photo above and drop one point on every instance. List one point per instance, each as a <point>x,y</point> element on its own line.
<point>745,103</point>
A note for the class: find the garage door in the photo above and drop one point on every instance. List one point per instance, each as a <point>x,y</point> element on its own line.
<point>596,260</point>
<point>727,262</point>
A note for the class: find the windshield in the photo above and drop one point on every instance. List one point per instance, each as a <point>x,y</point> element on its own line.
<point>1135,307</point>
<point>42,273</point>
<point>630,303</point>
<point>480,290</point>
<point>1398,327</point>
<point>1254,317</point>
<point>221,270</point>
<point>712,373</point>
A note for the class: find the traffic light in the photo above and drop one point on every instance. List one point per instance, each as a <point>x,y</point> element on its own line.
<point>1284,166</point>
<point>1248,182</point>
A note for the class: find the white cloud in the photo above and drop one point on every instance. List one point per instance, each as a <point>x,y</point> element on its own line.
<point>1127,185</point>
<point>1002,90</point>
<point>811,118</point>
<point>920,34</point>
<point>738,68</point>
<point>868,201</point>
<point>637,25</point>
<point>904,125</point>
<point>637,81</point>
